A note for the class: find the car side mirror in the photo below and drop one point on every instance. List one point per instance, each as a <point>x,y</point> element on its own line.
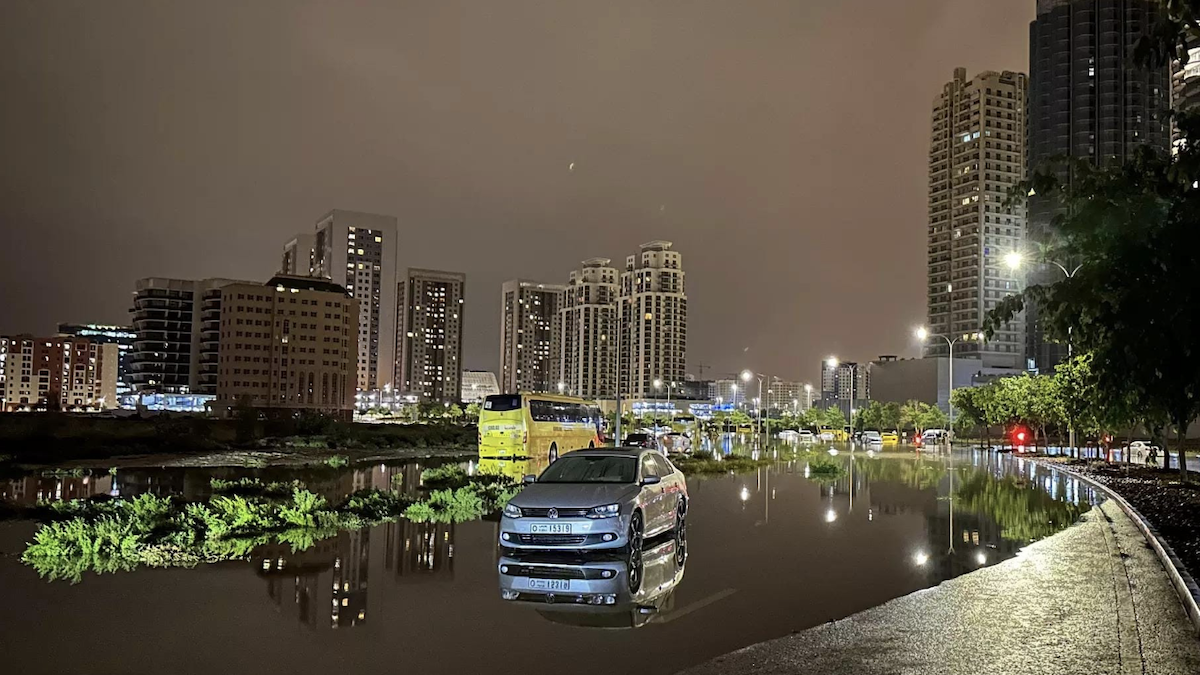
<point>529,478</point>
<point>651,480</point>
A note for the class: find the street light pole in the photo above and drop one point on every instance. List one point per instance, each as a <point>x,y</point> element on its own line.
<point>1014,260</point>
<point>746,375</point>
<point>923,335</point>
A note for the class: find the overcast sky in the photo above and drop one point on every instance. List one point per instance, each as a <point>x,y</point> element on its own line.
<point>781,144</point>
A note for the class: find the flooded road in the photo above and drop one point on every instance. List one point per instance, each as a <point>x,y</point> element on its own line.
<point>767,553</point>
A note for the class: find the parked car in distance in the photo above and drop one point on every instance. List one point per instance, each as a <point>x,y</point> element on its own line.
<point>933,436</point>
<point>788,435</point>
<point>807,436</point>
<point>890,437</point>
<point>640,440</point>
<point>872,438</point>
<point>596,499</point>
<point>675,443</point>
<point>1141,449</point>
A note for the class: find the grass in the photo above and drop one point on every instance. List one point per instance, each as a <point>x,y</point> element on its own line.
<point>105,535</point>
<point>54,437</point>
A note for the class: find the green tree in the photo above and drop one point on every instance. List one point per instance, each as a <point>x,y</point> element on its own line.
<point>814,417</point>
<point>1134,302</point>
<point>454,412</point>
<point>834,417</point>
<point>969,411</point>
<point>869,417</point>
<point>739,418</point>
<point>889,416</point>
<point>472,412</point>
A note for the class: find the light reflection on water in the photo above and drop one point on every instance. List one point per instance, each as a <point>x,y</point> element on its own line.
<point>776,549</point>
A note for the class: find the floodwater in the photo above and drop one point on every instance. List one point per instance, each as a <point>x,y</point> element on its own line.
<point>767,553</point>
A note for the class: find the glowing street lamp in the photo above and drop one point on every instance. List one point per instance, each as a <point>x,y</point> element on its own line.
<point>923,334</point>
<point>746,376</point>
<point>1014,260</point>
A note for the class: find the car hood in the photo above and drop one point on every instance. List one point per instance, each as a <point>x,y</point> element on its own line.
<point>573,495</point>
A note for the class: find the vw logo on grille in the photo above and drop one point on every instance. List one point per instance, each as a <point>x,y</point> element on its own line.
<point>552,513</point>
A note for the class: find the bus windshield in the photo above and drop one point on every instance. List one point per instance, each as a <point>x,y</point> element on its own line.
<point>502,402</point>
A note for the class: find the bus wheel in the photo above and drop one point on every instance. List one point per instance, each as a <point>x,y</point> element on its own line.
<point>553,452</point>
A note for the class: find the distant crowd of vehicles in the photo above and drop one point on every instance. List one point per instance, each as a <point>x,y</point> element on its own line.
<point>526,424</point>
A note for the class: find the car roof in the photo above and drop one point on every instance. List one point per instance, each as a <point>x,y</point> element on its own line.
<point>617,452</point>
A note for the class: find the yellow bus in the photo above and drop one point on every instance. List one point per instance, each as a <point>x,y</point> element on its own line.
<point>536,425</point>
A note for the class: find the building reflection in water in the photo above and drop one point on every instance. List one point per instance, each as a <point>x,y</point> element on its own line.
<point>334,573</point>
<point>30,490</point>
<point>420,551</point>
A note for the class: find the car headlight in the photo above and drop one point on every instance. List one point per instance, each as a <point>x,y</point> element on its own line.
<point>512,511</point>
<point>608,511</point>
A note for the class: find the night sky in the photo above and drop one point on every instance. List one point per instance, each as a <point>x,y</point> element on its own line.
<point>782,145</point>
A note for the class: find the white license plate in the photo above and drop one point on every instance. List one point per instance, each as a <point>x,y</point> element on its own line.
<point>550,584</point>
<point>555,528</point>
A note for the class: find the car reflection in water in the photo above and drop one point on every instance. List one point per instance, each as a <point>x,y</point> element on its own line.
<point>598,591</point>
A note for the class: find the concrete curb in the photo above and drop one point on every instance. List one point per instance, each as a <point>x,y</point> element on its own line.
<point>1185,585</point>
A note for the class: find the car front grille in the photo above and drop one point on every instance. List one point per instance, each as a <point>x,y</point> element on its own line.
<point>562,513</point>
<point>553,539</point>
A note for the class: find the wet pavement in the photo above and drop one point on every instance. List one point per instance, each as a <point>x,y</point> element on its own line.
<point>1091,600</point>
<point>768,553</point>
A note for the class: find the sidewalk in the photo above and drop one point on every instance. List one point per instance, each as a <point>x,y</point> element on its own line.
<point>1091,600</point>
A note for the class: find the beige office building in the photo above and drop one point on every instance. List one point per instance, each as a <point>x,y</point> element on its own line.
<point>976,155</point>
<point>288,346</point>
<point>653,316</point>
<point>589,330</point>
<point>430,335</point>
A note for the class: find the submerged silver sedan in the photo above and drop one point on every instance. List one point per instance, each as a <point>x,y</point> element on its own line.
<point>603,498</point>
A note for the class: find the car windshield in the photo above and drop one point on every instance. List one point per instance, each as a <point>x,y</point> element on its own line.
<point>591,469</point>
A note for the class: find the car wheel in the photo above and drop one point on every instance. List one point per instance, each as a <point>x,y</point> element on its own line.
<point>553,452</point>
<point>681,522</point>
<point>635,551</point>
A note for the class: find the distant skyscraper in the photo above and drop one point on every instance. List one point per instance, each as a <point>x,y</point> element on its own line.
<point>122,336</point>
<point>357,251</point>
<point>529,336</point>
<point>976,154</point>
<point>1185,83</point>
<point>430,338</point>
<point>653,316</point>
<point>299,256</point>
<point>846,385</point>
<point>178,326</point>
<point>589,330</point>
<point>1088,99</point>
